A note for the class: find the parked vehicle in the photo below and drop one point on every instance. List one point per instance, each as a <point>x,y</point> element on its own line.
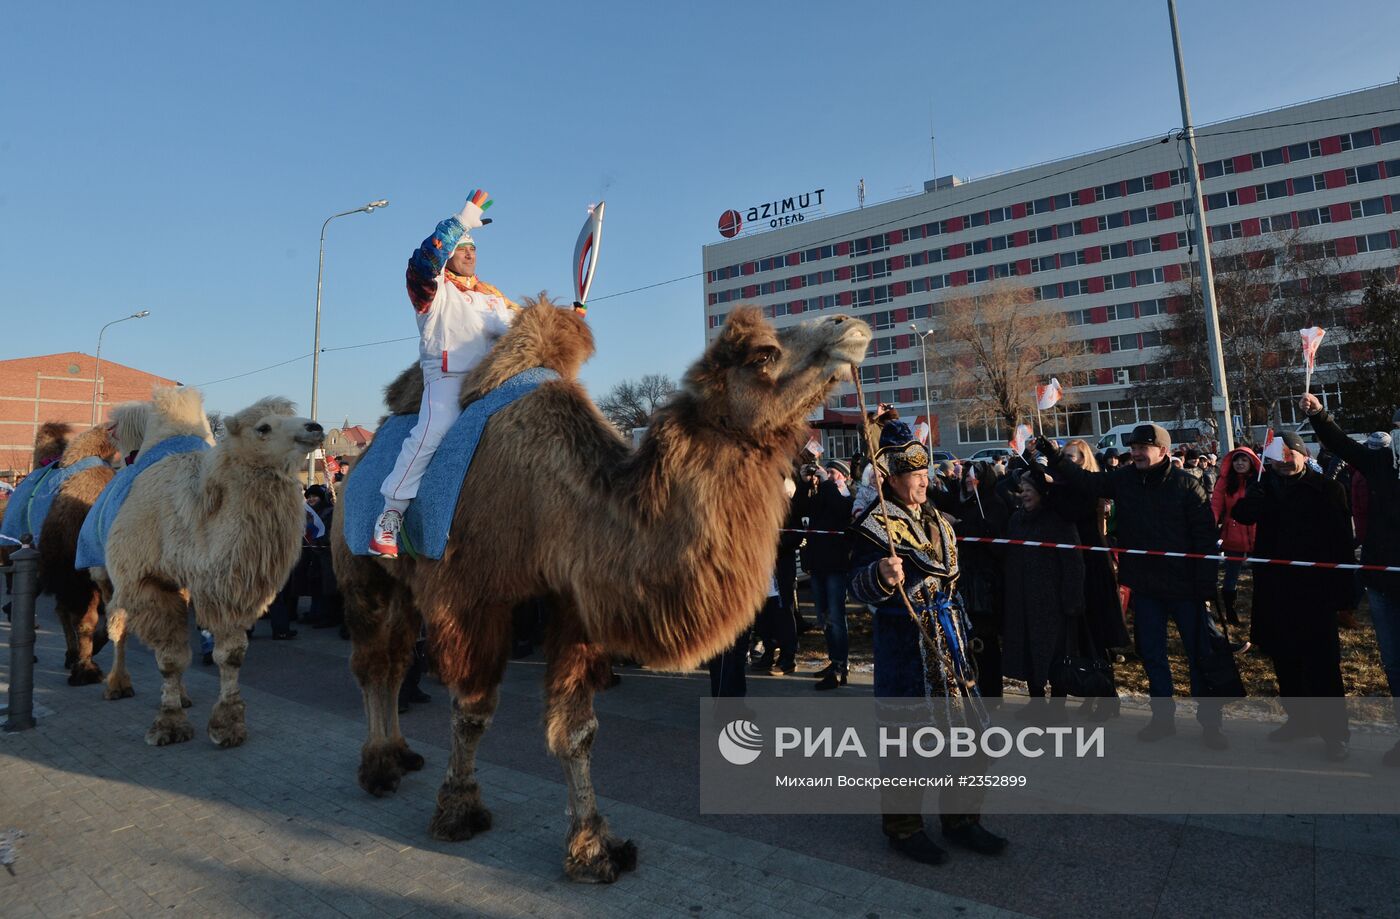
<point>992,454</point>
<point>1189,432</point>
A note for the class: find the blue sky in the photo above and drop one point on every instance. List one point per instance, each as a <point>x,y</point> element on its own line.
<point>181,157</point>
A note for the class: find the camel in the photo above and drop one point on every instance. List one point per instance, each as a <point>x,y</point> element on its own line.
<point>222,528</point>
<point>662,554</point>
<point>50,441</point>
<point>77,597</point>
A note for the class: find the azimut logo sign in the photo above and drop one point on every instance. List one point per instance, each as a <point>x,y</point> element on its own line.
<point>778,213</point>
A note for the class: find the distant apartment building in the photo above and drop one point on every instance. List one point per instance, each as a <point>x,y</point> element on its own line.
<point>1102,236</point>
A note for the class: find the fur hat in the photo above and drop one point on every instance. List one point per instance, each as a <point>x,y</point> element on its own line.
<point>899,451</point>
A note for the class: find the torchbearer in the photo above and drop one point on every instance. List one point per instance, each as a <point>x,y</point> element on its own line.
<point>459,317</point>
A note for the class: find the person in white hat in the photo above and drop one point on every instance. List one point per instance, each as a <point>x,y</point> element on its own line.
<point>460,317</point>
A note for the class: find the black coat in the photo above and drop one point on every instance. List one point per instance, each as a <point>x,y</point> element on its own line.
<point>1162,509</point>
<point>1305,519</point>
<point>983,514</point>
<point>1102,609</point>
<point>1382,544</point>
<point>828,509</point>
<point>1044,589</point>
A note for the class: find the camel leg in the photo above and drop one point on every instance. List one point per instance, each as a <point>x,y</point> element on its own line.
<point>84,671</point>
<point>460,813</point>
<point>70,638</point>
<point>226,721</point>
<point>172,725</point>
<point>118,680</point>
<point>575,671</point>
<point>379,660</point>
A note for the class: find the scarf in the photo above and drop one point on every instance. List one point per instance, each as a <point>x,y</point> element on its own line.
<point>473,283</point>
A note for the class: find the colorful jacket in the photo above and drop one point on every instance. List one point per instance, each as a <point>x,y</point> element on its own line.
<point>1235,537</point>
<point>458,318</point>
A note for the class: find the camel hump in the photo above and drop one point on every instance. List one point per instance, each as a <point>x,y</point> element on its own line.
<point>50,441</point>
<point>542,335</point>
<point>92,442</point>
<point>176,410</point>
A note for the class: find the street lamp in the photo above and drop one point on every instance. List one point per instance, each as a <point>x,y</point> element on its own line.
<point>97,369</point>
<point>923,359</point>
<point>316,340</point>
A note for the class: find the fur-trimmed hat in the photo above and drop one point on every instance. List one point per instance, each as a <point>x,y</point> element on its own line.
<point>900,451</point>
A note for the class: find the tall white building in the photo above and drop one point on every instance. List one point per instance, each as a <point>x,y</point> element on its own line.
<point>1101,236</point>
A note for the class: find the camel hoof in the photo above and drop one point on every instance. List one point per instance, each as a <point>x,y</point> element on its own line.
<point>170,728</point>
<point>85,674</point>
<point>410,761</point>
<point>379,783</point>
<point>381,768</point>
<point>459,817</point>
<point>69,659</point>
<point>226,724</point>
<point>595,856</point>
<point>122,690</point>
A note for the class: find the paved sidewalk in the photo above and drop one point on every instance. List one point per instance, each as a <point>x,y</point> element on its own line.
<point>278,827</point>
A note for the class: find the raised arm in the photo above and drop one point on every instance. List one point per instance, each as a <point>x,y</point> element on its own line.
<point>1333,437</point>
<point>431,257</point>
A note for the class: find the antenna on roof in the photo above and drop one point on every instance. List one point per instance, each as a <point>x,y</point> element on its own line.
<point>932,146</point>
<point>860,193</point>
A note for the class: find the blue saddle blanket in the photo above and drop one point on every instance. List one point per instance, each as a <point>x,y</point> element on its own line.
<point>429,518</point>
<point>34,495</point>
<point>92,538</point>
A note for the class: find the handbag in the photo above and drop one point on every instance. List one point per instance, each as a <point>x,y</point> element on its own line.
<point>1078,675</point>
<point>1216,672</point>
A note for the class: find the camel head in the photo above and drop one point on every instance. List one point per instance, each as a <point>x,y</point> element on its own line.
<point>96,441</point>
<point>50,441</point>
<point>269,433</point>
<point>762,383</point>
<point>127,424</point>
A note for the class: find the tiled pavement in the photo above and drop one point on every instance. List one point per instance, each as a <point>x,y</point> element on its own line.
<point>278,827</point>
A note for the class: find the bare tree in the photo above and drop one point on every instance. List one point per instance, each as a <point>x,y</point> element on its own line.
<point>1266,289</point>
<point>1001,345</point>
<point>631,403</point>
<point>1374,359</point>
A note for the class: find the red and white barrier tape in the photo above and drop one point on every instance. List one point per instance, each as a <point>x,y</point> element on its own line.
<point>1344,566</point>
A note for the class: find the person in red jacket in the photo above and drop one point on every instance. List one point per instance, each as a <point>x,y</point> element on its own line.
<point>1241,467</point>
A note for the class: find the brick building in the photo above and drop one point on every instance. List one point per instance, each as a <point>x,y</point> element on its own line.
<point>59,387</point>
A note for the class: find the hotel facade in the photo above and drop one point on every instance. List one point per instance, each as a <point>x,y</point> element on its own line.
<point>1102,237</point>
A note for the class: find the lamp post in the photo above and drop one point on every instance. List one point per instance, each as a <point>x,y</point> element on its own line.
<point>97,368</point>
<point>923,359</point>
<point>316,339</point>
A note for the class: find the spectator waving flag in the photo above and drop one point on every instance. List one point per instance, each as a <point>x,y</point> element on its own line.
<point>814,447</point>
<point>1311,339</point>
<point>1048,395</point>
<point>1273,450</point>
<point>1020,439</point>
<point>921,430</point>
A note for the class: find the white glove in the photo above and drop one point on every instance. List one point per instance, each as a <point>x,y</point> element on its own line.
<point>470,214</point>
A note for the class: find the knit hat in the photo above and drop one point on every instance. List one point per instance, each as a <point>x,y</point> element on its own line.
<point>837,465</point>
<point>1379,440</point>
<point>466,240</point>
<point>1151,434</point>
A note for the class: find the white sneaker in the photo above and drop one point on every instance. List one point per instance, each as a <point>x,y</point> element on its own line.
<point>385,541</point>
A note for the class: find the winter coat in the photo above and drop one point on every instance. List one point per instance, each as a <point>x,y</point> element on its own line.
<point>984,515</point>
<point>1044,588</point>
<point>1382,543</point>
<point>1304,518</point>
<point>1163,509</point>
<point>456,327</point>
<point>1236,538</point>
<point>828,509</point>
<point>1360,506</point>
<point>1102,608</point>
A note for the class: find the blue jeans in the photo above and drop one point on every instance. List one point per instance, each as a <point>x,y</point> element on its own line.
<point>1150,615</point>
<point>1232,573</point>
<point>829,595</point>
<point>1385,615</point>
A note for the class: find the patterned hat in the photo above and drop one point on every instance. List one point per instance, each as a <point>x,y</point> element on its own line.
<point>466,240</point>
<point>900,451</point>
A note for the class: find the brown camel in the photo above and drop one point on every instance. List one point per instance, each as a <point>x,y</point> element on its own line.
<point>222,528</point>
<point>662,554</point>
<point>77,597</point>
<point>50,440</point>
